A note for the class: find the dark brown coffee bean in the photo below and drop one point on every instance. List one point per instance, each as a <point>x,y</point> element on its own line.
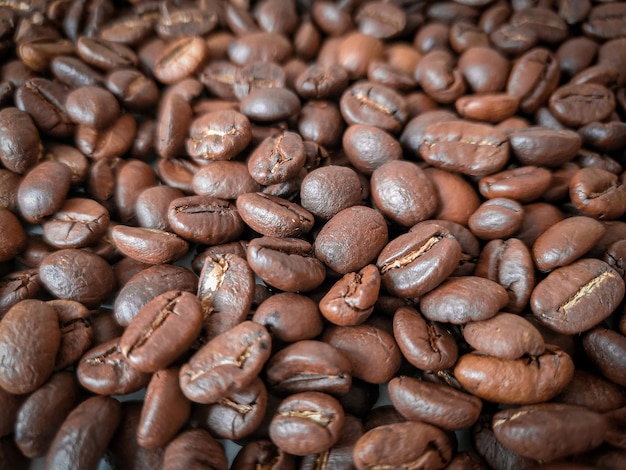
<point>105,55</point>
<point>537,431</point>
<point>522,184</point>
<point>506,336</point>
<point>204,219</point>
<point>380,19</point>
<point>42,414</point>
<point>253,76</point>
<point>543,146</point>
<point>27,364</point>
<point>162,331</point>
<point>270,104</point>
<point>148,245</point>
<point>77,275</point>
<point>134,90</point>
<point>152,205</point>
<point>350,301</point>
<point>597,193</point>
<point>289,317</point>
<point>368,147</point>
<point>22,146</point>
<point>493,108</point>
<point>417,262</point>
<point>533,77</point>
<point>373,353</point>
<point>129,30</point>
<point>273,216</point>
<point>577,105</point>
<point>194,449</point>
<point>328,190</point>
<point>464,298</point>
<point>259,47</point>
<point>106,371</point>
<point>104,326</point>
<point>148,284</point>
<point>9,183</point>
<point>164,412</point>
<point>414,443</point>
<point>496,218</point>
<point>277,159</point>
<point>545,23</point>
<point>74,72</point>
<point>320,122</point>
<point>18,286</point>
<point>44,101</point>
<point>457,199</point>
<point>509,263</point>
<point>463,147</point>
<point>484,69</point>
<point>439,78</point>
<point>518,381</point>
<point>307,423</point>
<point>173,120</point>
<point>403,193</point>
<point>76,331</point>
<point>606,21</point>
<point>79,222</point>
<point>320,82</point>
<point>220,135</point>
<point>263,453</point>
<point>92,106</point>
<point>107,143</point>
<point>358,223</point>
<point>285,263</point>
<point>576,54</point>
<point>225,364</point>
<point>85,434</point>
<point>179,21</point>
<point>43,190</point>
<point>372,104</point>
<point>615,257</point>
<point>180,59</point>
<point>434,404</point>
<point>224,180</point>
<point>566,241</point>
<point>606,349</point>
<point>592,392</point>
<point>425,344</point>
<point>309,366</point>
<point>12,235</point>
<point>576,297</point>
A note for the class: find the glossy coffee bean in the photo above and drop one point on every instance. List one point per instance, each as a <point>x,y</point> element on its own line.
<point>289,317</point>
<point>193,449</point>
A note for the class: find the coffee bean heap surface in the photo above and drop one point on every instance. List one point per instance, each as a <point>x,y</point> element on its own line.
<point>311,234</point>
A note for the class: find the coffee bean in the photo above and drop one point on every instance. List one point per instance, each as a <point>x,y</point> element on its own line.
<point>277,158</point>
<point>522,184</point>
<point>606,22</point>
<point>270,104</point>
<point>529,430</point>
<point>225,364</point>
<point>193,448</point>
<point>414,443</point>
<point>18,286</point>
<point>262,453</point>
<point>22,146</point>
<point>496,218</point>
<point>533,77</point>
<point>289,317</point>
<point>220,135</point>
<point>457,199</point>
<point>592,392</point>
<point>485,70</point>
<point>307,423</point>
<point>148,245</point>
<point>356,51</point>
<point>12,235</point>
<point>519,381</point>
<point>605,349</point>
<point>328,190</point>
<point>439,78</point>
<point>597,193</point>
<point>319,82</point>
<point>577,105</point>
<point>372,104</point>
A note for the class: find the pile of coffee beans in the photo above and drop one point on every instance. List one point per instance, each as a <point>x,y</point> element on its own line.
<point>236,224</point>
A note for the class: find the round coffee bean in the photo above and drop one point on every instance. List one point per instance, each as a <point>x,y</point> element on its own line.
<point>43,190</point>
<point>289,317</point>
<point>180,59</point>
<point>220,135</point>
<point>192,449</point>
<point>21,148</point>
<point>606,349</point>
<point>369,147</point>
<point>277,159</point>
<point>522,184</point>
<point>270,104</point>
<point>328,190</point>
<point>148,245</point>
<point>496,218</point>
<point>12,235</point>
<point>565,103</point>
<point>92,106</point>
<point>375,105</point>
<point>597,193</point>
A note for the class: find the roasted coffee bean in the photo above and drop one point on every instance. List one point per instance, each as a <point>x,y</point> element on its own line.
<point>106,371</point>
<point>273,216</point>
<point>417,262</point>
<point>220,135</point>
<point>77,275</point>
<point>577,105</point>
<point>454,205</point>
<point>533,77</point>
<point>9,183</point>
<point>606,21</point>
<point>225,364</point>
<point>270,104</point>
<point>471,149</point>
<point>277,159</point>
<point>425,344</point>
<point>164,412</point>
<point>375,105</point>
<point>162,331</point>
<point>484,69</point>
<point>439,78</point>
<point>108,143</point>
<point>543,146</point>
<point>506,336</point>
<point>180,59</point>
<point>365,346</point>
<point>369,147</point>
<point>522,184</point>
<point>263,453</point>
<point>92,106</point>
<point>148,284</point>
<point>517,381</point>
<point>224,180</point>
<point>18,286</point>
<point>42,414</point>
<point>12,235</point>
<point>615,257</point>
<point>462,299</point>
<point>320,82</point>
<point>148,245</point>
<point>576,54</point>
<point>76,331</point>
<point>26,364</point>
<point>85,434</point>
<point>43,190</point>
<point>606,349</point>
<point>134,90</point>
<point>434,404</point>
<point>537,431</point>
<point>328,190</point>
<point>80,222</point>
<point>597,193</point>
<point>44,101</point>
<point>193,449</point>
<point>289,317</point>
<point>307,423</point>
<point>496,218</point>
<point>74,72</point>
<point>105,55</point>
<point>592,392</point>
<point>152,205</point>
<point>254,76</point>
<point>414,444</point>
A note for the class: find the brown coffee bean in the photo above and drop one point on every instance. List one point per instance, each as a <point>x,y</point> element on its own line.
<point>106,371</point>
<point>597,193</point>
<point>533,77</point>
<point>368,147</point>
<point>259,47</point>
<point>522,184</point>
<point>43,190</point>
<point>165,410</point>
<point>134,90</point>
<point>18,286</point>
<point>373,352</point>
<point>359,223</point>
<point>328,190</point>
<point>417,262</point>
<point>307,423</point>
<point>462,299</point>
<point>506,336</point>
<point>375,105</point>
<point>180,59</point>
<point>273,216</point>
<point>438,76</point>
<point>538,431</point>
<point>403,193</point>
<point>542,146</point>
<point>27,364</point>
<point>615,257</point>
<point>309,366</point>
<point>220,135</point>
<point>79,222</point>
<point>414,443</point>
<point>490,108</point>
<point>9,183</point>
<point>270,104</point>
<point>566,241</point>
<point>180,21</point>
<point>457,199</point>
<point>107,143</point>
<point>92,106</point>
<point>277,159</point>
<point>577,105</point>
<point>44,101</point>
<point>192,449</point>
<point>484,69</point>
<point>85,434</point>
<point>152,205</point>
<point>42,414</point>
<point>204,219</point>
<point>606,349</point>
<point>463,147</point>
<point>12,235</point>
<point>496,218</point>
<point>320,82</point>
<point>606,21</point>
<point>435,404</point>
<point>148,245</point>
<point>76,331</point>
<point>356,51</point>
<point>162,331</point>
<point>225,364</point>
<point>289,317</point>
<point>592,392</point>
<point>425,344</point>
